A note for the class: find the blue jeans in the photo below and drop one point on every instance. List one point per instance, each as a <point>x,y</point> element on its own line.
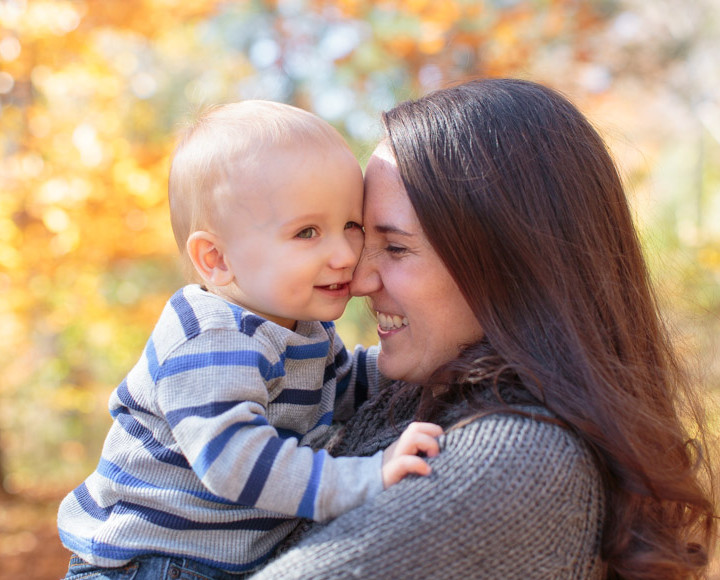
<point>148,568</point>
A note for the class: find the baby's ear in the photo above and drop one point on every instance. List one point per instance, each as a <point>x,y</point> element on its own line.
<point>207,256</point>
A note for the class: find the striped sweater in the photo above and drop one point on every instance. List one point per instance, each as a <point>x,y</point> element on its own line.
<point>211,451</point>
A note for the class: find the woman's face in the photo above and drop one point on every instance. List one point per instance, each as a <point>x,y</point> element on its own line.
<point>423,319</point>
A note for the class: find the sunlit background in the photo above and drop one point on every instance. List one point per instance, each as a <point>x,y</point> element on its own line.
<point>93,91</point>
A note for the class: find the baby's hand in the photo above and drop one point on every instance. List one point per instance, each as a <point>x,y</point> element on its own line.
<point>402,458</point>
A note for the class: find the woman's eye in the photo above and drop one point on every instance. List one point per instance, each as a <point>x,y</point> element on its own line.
<point>307,233</point>
<point>351,225</point>
<point>395,250</point>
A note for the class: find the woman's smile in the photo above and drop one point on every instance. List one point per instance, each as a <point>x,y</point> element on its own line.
<point>391,321</point>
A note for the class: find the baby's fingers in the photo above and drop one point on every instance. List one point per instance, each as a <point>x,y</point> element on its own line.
<point>398,467</point>
<point>418,444</point>
<point>420,438</point>
<point>428,428</point>
<point>406,454</point>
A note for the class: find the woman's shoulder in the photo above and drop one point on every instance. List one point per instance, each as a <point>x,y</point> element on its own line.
<point>527,439</point>
<point>527,426</point>
<point>529,465</point>
<point>530,481</point>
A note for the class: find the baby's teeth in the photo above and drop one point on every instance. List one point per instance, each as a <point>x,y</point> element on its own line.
<point>397,321</point>
<point>333,287</point>
<point>405,321</point>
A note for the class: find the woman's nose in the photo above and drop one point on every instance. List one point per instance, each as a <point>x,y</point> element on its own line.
<point>366,278</point>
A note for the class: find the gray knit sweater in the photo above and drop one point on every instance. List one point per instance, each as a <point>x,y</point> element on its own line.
<point>509,497</point>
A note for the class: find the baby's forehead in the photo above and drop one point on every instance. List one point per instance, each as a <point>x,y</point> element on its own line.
<point>273,175</point>
<point>268,162</point>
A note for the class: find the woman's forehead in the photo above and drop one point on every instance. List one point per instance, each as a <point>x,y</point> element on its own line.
<point>382,172</point>
<point>387,205</point>
<point>384,152</point>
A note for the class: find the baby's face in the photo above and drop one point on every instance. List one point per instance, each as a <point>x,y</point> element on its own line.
<point>293,236</point>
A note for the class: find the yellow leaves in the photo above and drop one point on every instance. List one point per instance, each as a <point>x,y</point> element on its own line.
<point>416,6</point>
<point>442,15</point>
<point>506,31</point>
<point>9,235</point>
<point>140,185</point>
<point>186,8</point>
<point>73,452</point>
<point>10,48</point>
<point>56,220</point>
<point>65,242</point>
<point>401,45</point>
<point>351,8</point>
<point>7,82</point>
<point>62,87</point>
<point>555,20</point>
<point>11,120</point>
<point>9,232</point>
<point>10,258</point>
<point>709,257</point>
<point>40,18</point>
<point>86,141</point>
<point>409,28</point>
<point>65,191</point>
<point>432,38</point>
<point>52,226</point>
<point>70,398</point>
<point>433,23</point>
<point>147,187</point>
<point>147,17</point>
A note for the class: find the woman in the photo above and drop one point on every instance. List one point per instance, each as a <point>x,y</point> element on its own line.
<point>514,305</point>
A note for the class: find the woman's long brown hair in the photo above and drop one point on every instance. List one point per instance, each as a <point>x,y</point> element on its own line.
<point>520,198</point>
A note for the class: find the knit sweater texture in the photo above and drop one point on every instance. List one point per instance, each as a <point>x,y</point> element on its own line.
<point>215,448</point>
<point>509,497</point>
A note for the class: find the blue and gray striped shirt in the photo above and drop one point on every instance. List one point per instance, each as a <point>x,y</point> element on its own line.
<point>216,440</point>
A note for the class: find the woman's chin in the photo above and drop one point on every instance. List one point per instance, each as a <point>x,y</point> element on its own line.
<point>398,369</point>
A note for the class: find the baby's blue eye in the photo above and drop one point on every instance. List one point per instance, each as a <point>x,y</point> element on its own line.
<point>307,233</point>
<point>351,225</point>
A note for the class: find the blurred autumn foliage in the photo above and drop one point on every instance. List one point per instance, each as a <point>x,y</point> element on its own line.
<point>92,92</point>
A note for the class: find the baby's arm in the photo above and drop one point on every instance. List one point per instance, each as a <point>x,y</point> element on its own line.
<point>402,457</point>
<point>216,414</point>
<point>357,375</point>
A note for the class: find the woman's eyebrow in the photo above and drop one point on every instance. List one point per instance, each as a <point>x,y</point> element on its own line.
<point>385,229</point>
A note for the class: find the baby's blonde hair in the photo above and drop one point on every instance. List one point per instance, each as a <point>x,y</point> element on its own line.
<point>238,134</point>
